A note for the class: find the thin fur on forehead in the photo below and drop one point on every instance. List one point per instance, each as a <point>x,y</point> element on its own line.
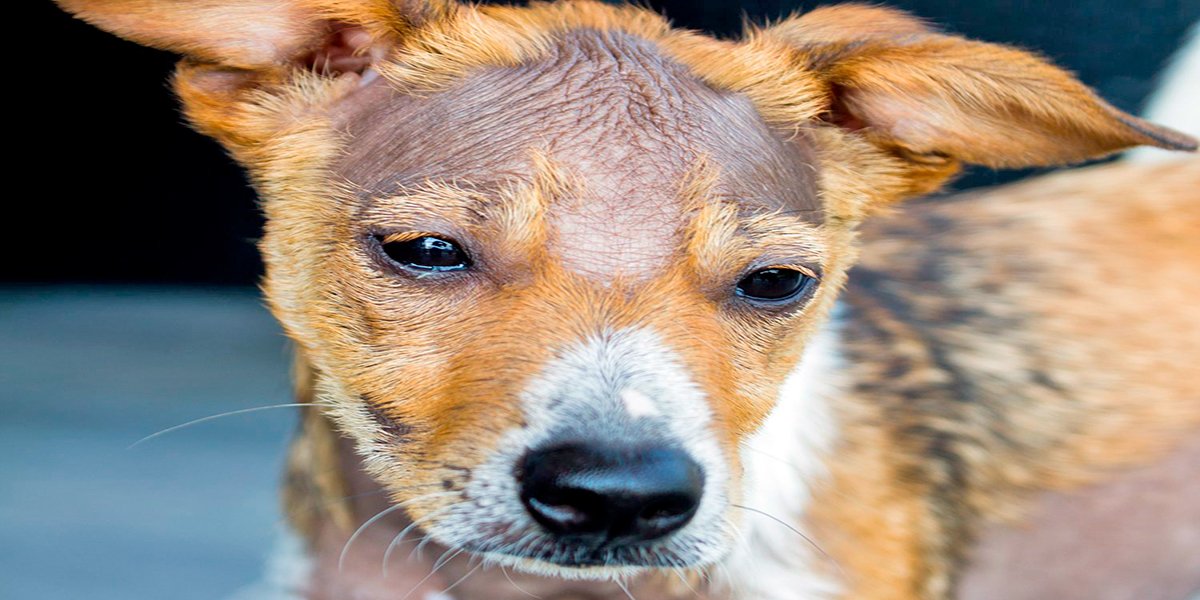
<point>435,53</point>
<point>475,37</point>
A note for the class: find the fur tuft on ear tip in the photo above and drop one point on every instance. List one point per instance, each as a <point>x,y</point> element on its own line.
<point>1157,135</point>
<point>901,84</point>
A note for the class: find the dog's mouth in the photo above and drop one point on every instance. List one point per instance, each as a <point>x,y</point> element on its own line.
<point>526,547</point>
<point>499,563</point>
<point>548,554</point>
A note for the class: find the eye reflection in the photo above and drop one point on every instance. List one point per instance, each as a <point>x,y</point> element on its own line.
<point>427,253</point>
<point>774,284</point>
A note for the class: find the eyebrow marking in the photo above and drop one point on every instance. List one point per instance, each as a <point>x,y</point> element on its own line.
<point>523,210</point>
<point>507,216</point>
<point>698,187</point>
<point>723,238</point>
<point>432,199</point>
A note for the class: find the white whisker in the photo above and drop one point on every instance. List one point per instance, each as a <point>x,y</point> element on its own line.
<point>810,541</point>
<point>624,588</point>
<point>517,587</point>
<point>437,566</point>
<point>773,457</point>
<point>463,578</point>
<point>218,416</point>
<point>361,528</point>
<point>399,537</point>
<point>381,514</point>
<point>686,583</point>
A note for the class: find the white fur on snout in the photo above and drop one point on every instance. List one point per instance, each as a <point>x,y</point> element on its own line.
<point>638,405</point>
<point>617,386</point>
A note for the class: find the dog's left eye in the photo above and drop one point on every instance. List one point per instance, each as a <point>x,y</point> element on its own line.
<point>428,253</point>
<point>775,284</point>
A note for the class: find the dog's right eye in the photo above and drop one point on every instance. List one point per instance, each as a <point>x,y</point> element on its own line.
<point>427,253</point>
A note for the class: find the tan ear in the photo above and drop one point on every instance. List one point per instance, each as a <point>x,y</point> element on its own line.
<point>236,49</point>
<point>249,34</point>
<point>928,94</point>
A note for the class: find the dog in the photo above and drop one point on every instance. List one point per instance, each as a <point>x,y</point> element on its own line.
<point>564,287</point>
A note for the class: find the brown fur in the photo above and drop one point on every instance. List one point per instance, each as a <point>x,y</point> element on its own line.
<point>546,136</point>
<point>1041,350</point>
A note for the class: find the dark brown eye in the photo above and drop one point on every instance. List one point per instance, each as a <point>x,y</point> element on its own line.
<point>774,284</point>
<point>428,253</point>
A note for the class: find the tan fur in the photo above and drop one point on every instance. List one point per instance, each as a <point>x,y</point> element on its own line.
<point>853,108</point>
<point>1048,299</point>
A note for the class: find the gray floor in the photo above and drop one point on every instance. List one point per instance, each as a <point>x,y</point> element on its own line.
<point>85,372</point>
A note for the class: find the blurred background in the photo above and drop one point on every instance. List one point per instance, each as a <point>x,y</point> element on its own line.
<point>127,302</point>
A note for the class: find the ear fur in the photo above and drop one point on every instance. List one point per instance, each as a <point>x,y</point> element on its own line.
<point>925,94</point>
<point>237,34</point>
<point>237,53</point>
<point>249,34</point>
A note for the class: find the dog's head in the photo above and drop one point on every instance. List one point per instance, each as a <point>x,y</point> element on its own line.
<point>552,265</point>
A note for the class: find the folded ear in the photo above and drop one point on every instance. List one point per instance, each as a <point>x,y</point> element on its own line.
<point>931,95</point>
<point>237,53</point>
<point>257,34</point>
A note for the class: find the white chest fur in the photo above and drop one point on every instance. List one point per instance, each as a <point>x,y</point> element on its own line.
<point>772,560</point>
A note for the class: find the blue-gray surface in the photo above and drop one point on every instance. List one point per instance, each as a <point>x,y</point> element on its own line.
<point>85,372</point>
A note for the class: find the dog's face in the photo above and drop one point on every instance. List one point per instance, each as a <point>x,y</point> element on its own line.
<point>565,291</point>
<point>551,265</point>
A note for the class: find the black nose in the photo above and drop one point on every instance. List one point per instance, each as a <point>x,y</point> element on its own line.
<point>602,494</point>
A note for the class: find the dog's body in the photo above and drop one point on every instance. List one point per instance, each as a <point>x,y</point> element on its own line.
<point>561,280</point>
<point>1016,368</point>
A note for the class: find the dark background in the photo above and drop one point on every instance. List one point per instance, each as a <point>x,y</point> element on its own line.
<point>111,187</point>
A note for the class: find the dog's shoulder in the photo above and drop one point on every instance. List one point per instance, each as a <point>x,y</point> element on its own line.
<point>1042,335</point>
<point>1040,314</point>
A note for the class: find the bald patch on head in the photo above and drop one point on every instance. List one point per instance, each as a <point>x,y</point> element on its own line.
<point>626,126</point>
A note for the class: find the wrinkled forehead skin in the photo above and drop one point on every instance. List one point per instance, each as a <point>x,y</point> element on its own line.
<point>675,187</point>
<point>627,125</point>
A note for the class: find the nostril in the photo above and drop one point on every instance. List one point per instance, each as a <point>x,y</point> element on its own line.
<point>661,516</point>
<point>665,509</point>
<point>565,510</point>
<point>563,514</point>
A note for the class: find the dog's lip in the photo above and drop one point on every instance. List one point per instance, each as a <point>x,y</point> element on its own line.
<point>580,557</point>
